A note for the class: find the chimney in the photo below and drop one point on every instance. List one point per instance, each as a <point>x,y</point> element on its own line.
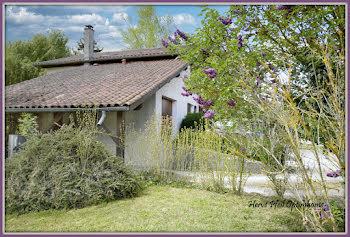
<point>88,43</point>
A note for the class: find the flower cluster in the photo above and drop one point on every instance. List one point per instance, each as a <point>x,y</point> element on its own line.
<point>203,103</point>
<point>225,21</point>
<point>324,209</point>
<point>240,45</point>
<point>236,11</point>
<point>183,79</point>
<point>231,102</point>
<point>181,34</point>
<point>283,7</point>
<point>334,174</point>
<point>186,92</point>
<point>173,40</point>
<point>211,72</point>
<point>165,44</point>
<point>208,114</point>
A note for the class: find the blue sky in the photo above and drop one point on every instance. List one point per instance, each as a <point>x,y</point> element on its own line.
<point>24,21</point>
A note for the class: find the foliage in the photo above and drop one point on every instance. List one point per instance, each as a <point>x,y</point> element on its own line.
<point>150,29</point>
<point>80,47</point>
<point>274,63</point>
<point>27,125</point>
<point>192,120</point>
<point>200,153</point>
<point>67,168</point>
<point>20,55</point>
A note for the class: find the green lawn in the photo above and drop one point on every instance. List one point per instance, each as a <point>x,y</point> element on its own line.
<point>165,209</point>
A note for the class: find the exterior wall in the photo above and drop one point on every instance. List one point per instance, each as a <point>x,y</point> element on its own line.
<point>111,124</point>
<point>135,124</point>
<point>46,120</point>
<point>144,143</point>
<point>138,118</point>
<point>173,90</point>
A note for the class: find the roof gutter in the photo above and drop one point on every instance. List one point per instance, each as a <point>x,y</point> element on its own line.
<point>38,110</point>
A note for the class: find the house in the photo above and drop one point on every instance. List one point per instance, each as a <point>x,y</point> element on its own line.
<point>126,87</point>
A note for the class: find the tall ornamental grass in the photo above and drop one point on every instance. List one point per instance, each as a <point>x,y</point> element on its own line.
<point>200,155</point>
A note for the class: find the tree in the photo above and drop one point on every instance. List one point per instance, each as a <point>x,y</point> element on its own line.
<point>20,55</point>
<point>80,47</point>
<point>19,59</point>
<point>237,66</point>
<point>149,31</point>
<point>262,40</point>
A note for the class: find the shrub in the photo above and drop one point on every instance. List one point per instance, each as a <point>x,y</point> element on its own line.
<point>27,125</point>
<point>67,168</point>
<point>192,120</point>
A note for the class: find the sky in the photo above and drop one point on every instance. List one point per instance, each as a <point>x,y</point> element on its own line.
<point>22,22</point>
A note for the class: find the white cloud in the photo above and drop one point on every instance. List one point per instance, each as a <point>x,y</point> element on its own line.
<point>87,19</point>
<point>184,19</point>
<point>119,17</point>
<point>23,21</point>
<point>110,35</point>
<point>94,9</point>
<point>22,16</point>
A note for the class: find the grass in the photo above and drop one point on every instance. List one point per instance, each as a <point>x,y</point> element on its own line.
<point>163,209</point>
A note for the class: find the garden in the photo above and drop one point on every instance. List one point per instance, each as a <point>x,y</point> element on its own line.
<point>267,154</point>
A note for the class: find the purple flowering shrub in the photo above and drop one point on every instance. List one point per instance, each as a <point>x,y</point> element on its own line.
<point>208,114</point>
<point>165,44</point>
<point>284,7</point>
<point>176,39</point>
<point>231,60</point>
<point>325,212</point>
<point>181,34</point>
<point>211,72</point>
<point>225,21</point>
<point>334,174</point>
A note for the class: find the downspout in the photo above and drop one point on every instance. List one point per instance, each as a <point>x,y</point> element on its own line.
<point>103,117</point>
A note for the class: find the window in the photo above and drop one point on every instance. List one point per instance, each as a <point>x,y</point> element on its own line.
<point>189,108</point>
<point>167,107</point>
<point>167,113</point>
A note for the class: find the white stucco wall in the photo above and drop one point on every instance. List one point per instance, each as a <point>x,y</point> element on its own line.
<point>111,123</point>
<point>173,90</point>
<point>137,151</point>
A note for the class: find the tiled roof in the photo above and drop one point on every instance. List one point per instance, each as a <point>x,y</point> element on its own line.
<point>103,85</point>
<point>107,56</point>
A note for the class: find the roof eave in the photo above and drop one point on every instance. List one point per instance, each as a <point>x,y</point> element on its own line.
<point>81,62</point>
<point>59,109</point>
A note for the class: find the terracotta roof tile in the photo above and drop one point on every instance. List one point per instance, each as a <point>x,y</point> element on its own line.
<point>104,85</point>
<point>108,56</point>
